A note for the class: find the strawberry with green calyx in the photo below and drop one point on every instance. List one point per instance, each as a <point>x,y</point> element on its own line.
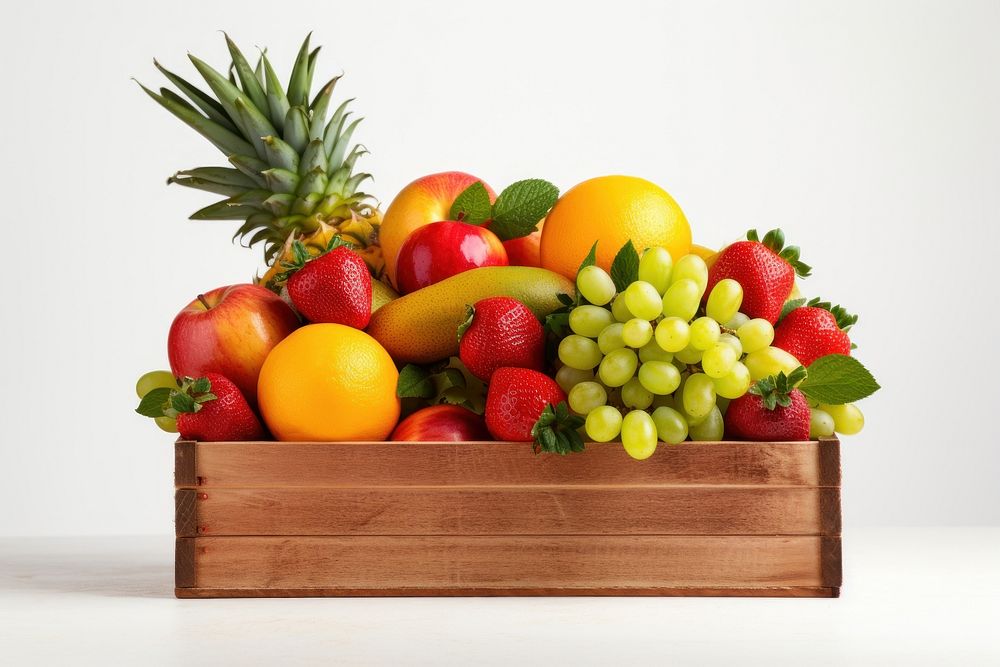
<point>334,287</point>
<point>766,270</point>
<point>515,403</point>
<point>446,382</point>
<point>208,409</point>
<point>557,430</point>
<point>773,410</point>
<point>814,330</point>
<point>500,331</point>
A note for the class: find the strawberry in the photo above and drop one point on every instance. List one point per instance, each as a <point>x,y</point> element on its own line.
<point>333,287</point>
<point>773,410</point>
<point>813,331</point>
<point>209,409</point>
<point>500,331</point>
<point>765,269</point>
<point>523,405</point>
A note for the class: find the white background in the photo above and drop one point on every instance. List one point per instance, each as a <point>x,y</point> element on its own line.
<point>869,131</point>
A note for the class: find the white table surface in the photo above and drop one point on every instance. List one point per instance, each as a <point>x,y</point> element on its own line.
<point>911,596</point>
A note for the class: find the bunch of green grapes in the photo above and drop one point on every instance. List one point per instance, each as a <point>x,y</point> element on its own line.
<point>650,364</point>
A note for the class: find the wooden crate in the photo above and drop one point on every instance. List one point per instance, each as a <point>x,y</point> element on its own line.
<point>275,519</point>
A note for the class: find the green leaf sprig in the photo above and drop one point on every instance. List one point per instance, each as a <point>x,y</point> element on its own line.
<point>516,211</point>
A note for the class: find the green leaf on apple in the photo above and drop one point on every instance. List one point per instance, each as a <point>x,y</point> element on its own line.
<point>520,207</point>
<point>153,403</point>
<point>625,267</point>
<point>472,205</point>
<point>414,382</point>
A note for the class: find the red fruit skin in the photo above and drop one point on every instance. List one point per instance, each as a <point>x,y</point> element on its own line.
<point>526,250</point>
<point>808,333</point>
<point>504,332</point>
<point>442,423</point>
<point>443,249</point>
<point>766,278</point>
<point>515,401</point>
<point>230,331</point>
<point>228,418</point>
<point>748,419</point>
<point>334,288</point>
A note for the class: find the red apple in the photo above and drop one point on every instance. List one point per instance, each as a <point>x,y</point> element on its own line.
<point>442,423</point>
<point>230,331</point>
<point>420,203</point>
<point>443,249</point>
<point>524,251</point>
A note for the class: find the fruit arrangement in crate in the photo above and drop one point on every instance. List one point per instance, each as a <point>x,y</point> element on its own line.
<point>464,316</point>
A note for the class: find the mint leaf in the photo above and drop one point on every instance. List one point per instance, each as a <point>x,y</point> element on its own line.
<point>520,206</point>
<point>152,404</point>
<point>472,205</point>
<point>789,306</point>
<point>414,382</point>
<point>837,379</point>
<point>625,267</point>
<point>590,259</point>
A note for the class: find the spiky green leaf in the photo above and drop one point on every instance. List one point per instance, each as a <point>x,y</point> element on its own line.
<point>280,154</point>
<point>226,141</point>
<point>209,106</point>
<point>248,78</point>
<point>277,102</point>
<point>298,82</point>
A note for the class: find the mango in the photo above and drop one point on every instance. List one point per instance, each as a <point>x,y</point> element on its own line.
<point>422,326</point>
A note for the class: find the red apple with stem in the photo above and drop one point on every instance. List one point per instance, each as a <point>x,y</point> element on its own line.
<point>229,331</point>
<point>442,423</point>
<point>443,249</point>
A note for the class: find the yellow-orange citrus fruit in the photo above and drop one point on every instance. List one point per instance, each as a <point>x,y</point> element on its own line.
<point>328,382</point>
<point>611,210</point>
<point>706,254</point>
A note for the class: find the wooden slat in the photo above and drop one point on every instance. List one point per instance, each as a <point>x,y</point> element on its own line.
<point>758,592</point>
<point>285,464</point>
<point>549,564</point>
<point>598,510</point>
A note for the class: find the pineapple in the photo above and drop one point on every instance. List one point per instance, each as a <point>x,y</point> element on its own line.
<point>292,176</point>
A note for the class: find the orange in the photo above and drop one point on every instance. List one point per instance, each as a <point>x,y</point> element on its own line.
<point>706,254</point>
<point>328,382</point>
<point>611,210</point>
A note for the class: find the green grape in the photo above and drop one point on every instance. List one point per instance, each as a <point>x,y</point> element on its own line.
<point>589,321</point>
<point>635,395</point>
<point>709,429</point>
<point>769,361</point>
<point>643,300</point>
<point>689,355</point>
<point>586,396</point>
<point>637,333</point>
<point>693,268</point>
<point>639,434</point>
<point>847,418</point>
<point>718,360</point>
<point>659,377</point>
<point>579,352</point>
<point>682,299</point>
<point>755,335</point>
<point>699,396</point>
<point>733,384</point>
<point>724,300</point>
<point>620,310</point>
<point>736,321</point>
<point>595,285</point>
<point>705,333</point>
<point>154,380</point>
<point>655,267</point>
<point>722,403</point>
<point>671,427</point>
<point>653,352</point>
<point>603,424</point>
<point>733,342</point>
<point>611,338</point>
<point>168,424</point>
<point>820,423</point>
<point>618,367</point>
<point>568,377</point>
<point>673,334</point>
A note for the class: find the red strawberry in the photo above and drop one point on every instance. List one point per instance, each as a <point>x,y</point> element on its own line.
<point>334,287</point>
<point>814,331</point>
<point>500,331</point>
<point>765,269</point>
<point>209,409</point>
<point>773,411</point>
<point>515,401</point>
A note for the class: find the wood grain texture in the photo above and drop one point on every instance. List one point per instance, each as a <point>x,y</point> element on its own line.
<point>287,464</point>
<point>535,510</point>
<point>522,563</point>
<point>184,463</point>
<point>759,592</point>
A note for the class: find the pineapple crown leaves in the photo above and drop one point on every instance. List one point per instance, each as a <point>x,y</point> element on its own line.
<point>188,397</point>
<point>556,430</point>
<point>774,390</point>
<point>290,167</point>
<point>774,240</point>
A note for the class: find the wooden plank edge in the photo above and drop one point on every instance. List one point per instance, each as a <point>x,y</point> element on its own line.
<point>829,462</point>
<point>184,563</point>
<point>185,473</point>
<point>764,591</point>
